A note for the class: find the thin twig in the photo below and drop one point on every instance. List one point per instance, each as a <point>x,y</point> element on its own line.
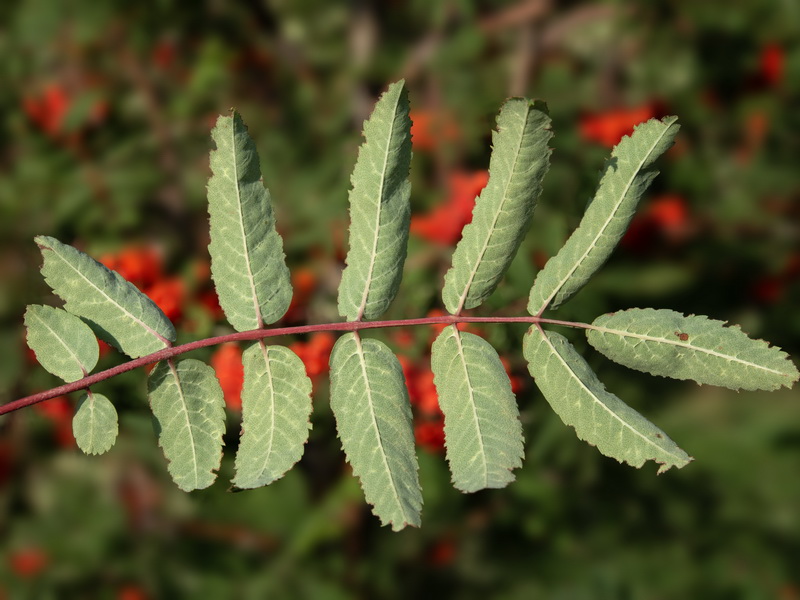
<point>260,334</point>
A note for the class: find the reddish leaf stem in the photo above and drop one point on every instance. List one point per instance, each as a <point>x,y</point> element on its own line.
<point>259,334</point>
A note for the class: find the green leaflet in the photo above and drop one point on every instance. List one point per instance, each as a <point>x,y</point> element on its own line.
<point>187,403</point>
<point>276,404</point>
<point>520,159</point>
<point>117,312</point>
<point>481,420</point>
<point>63,344</point>
<point>95,424</point>
<point>599,417</point>
<point>627,174</point>
<point>379,210</point>
<point>667,343</point>
<point>247,260</point>
<point>373,417</point>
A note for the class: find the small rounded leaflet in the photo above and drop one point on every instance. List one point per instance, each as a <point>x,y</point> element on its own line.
<point>64,345</point>
<point>95,424</point>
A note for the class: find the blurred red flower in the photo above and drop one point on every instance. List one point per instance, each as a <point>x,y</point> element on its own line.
<point>49,110</point>
<point>772,62</point>
<point>608,128</point>
<point>141,265</point>
<point>444,223</point>
<point>56,409</point>
<point>209,300</point>
<point>429,128</point>
<point>442,553</point>
<point>227,362</point>
<point>28,562</point>
<point>665,216</point>
<point>304,282</point>
<point>430,435</point>
<point>59,412</point>
<point>429,421</point>
<point>315,353</point>
<point>131,592</point>
<point>169,295</point>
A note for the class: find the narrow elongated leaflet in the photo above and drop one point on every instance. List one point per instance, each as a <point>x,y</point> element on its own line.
<point>626,176</point>
<point>483,434</point>
<point>63,344</point>
<point>95,423</point>
<point>379,210</point>
<point>188,405</point>
<point>115,310</point>
<point>373,417</point>
<point>247,260</point>
<point>667,343</point>
<point>276,404</point>
<point>502,213</point>
<point>598,416</point>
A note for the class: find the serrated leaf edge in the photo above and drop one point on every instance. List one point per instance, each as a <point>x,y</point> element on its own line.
<point>667,122</point>
<point>668,341</point>
<point>663,466</point>
<point>144,325</point>
<point>63,343</point>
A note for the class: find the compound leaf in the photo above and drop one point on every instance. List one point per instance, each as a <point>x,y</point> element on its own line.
<point>64,345</point>
<point>114,308</point>
<point>627,174</point>
<point>502,213</point>
<point>379,210</point>
<point>188,405</point>
<point>95,423</point>
<point>598,416</point>
<point>481,421</point>
<point>276,404</point>
<point>373,417</point>
<point>667,343</point>
<point>247,260</point>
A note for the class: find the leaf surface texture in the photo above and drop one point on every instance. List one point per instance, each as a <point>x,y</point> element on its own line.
<point>626,176</point>
<point>502,213</point>
<point>666,343</point>
<point>379,210</point>
<point>95,423</point>
<point>373,417</point>
<point>598,416</point>
<point>483,434</point>
<point>188,405</point>
<point>64,345</point>
<point>247,260</point>
<point>114,308</point>
<point>276,404</point>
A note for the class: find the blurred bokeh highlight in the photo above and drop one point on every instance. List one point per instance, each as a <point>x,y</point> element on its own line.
<point>106,112</point>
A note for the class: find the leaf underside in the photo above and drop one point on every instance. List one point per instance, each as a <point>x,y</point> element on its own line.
<point>188,405</point>
<point>114,308</point>
<point>247,260</point>
<point>64,345</point>
<point>599,417</point>
<point>667,343</point>
<point>276,404</point>
<point>373,418</point>
<point>627,174</point>
<point>502,213</point>
<point>483,433</point>
<point>95,423</point>
<point>379,210</point>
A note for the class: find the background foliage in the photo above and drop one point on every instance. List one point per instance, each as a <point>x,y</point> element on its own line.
<point>106,114</point>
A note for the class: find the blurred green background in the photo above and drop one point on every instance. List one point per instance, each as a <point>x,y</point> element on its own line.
<point>106,112</point>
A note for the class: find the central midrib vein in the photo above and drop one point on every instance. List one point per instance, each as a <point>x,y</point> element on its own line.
<point>362,308</point>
